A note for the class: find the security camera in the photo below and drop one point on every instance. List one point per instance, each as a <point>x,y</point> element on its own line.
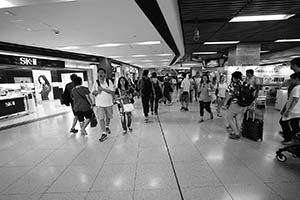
<point>56,32</point>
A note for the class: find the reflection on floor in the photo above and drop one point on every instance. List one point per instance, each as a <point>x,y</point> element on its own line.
<point>42,160</point>
<point>42,111</point>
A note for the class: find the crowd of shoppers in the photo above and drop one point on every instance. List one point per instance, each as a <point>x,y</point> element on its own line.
<point>229,100</point>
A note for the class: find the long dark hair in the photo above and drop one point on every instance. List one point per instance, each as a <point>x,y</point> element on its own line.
<point>45,79</point>
<point>126,83</point>
<point>207,79</point>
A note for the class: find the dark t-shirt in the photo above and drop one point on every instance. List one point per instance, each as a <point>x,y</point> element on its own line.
<point>80,102</point>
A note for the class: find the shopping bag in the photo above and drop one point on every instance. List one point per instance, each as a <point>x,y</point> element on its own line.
<point>128,107</point>
<point>93,120</point>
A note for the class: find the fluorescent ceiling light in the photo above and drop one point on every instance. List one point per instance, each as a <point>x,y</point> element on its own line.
<point>110,45</point>
<point>294,56</point>
<point>5,4</point>
<point>223,42</point>
<point>69,48</point>
<point>261,18</point>
<point>288,40</point>
<point>146,43</point>
<point>203,53</point>
<point>264,51</point>
<point>138,56</point>
<point>164,54</point>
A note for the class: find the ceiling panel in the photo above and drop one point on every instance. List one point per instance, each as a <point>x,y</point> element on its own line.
<point>212,17</point>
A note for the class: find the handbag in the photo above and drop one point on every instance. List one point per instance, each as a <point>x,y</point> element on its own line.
<point>128,107</point>
<point>93,120</point>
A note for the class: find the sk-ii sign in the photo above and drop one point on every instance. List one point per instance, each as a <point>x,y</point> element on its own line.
<point>28,61</point>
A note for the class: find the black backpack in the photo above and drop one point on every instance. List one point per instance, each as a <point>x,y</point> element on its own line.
<point>245,95</point>
<point>65,98</point>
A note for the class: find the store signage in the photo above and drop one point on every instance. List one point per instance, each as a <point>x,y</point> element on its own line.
<point>10,103</point>
<point>29,61</point>
<point>11,106</point>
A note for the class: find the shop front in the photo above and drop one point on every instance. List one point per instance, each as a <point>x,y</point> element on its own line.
<point>31,85</point>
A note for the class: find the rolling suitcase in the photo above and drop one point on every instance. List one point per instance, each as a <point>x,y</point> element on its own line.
<point>253,123</point>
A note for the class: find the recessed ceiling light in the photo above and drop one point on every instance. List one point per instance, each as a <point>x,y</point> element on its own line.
<point>261,18</point>
<point>110,45</point>
<point>146,43</point>
<point>222,42</point>
<point>164,60</point>
<point>288,40</point>
<point>138,56</point>
<point>6,4</point>
<point>69,47</point>
<point>203,53</point>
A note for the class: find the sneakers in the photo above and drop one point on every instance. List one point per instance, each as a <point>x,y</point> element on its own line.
<point>73,130</point>
<point>146,119</point>
<point>219,115</point>
<point>211,116</point>
<point>108,131</point>
<point>152,113</point>
<point>130,129</point>
<point>186,109</point>
<point>201,120</point>
<point>124,132</point>
<point>103,137</point>
<point>234,136</point>
<point>182,109</point>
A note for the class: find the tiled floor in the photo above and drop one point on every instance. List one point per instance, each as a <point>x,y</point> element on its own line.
<point>42,160</point>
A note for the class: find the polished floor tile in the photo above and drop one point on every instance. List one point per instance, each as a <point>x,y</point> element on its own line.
<point>195,174</point>
<point>44,161</point>
<point>207,193</point>
<point>157,194</point>
<point>288,191</point>
<point>115,178</point>
<point>111,195</point>
<point>252,191</point>
<point>155,176</point>
<point>153,155</point>
<point>63,196</point>
<point>38,180</point>
<point>75,179</point>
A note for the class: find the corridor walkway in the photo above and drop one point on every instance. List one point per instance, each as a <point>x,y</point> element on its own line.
<point>172,157</point>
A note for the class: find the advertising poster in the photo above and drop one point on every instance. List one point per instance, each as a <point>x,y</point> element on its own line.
<point>43,85</point>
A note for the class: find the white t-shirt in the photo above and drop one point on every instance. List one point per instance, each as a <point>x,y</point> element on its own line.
<point>222,89</point>
<point>295,112</point>
<point>104,99</point>
<point>186,85</point>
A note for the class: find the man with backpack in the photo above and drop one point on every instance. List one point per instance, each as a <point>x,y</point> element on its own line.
<point>103,90</point>
<point>242,96</point>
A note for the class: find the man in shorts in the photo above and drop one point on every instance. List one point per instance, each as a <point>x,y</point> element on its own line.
<point>103,90</point>
<point>184,95</point>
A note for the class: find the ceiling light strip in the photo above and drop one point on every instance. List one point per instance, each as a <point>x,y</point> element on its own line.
<point>257,18</point>
<point>288,40</point>
<point>222,42</point>
<point>205,53</point>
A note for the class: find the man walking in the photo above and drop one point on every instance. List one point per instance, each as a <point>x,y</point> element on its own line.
<point>103,91</point>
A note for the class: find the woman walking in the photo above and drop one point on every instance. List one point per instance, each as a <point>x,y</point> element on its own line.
<point>124,95</point>
<point>83,104</point>
<point>206,89</point>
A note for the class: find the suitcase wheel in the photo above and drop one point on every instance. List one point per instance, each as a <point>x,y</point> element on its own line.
<point>281,158</point>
